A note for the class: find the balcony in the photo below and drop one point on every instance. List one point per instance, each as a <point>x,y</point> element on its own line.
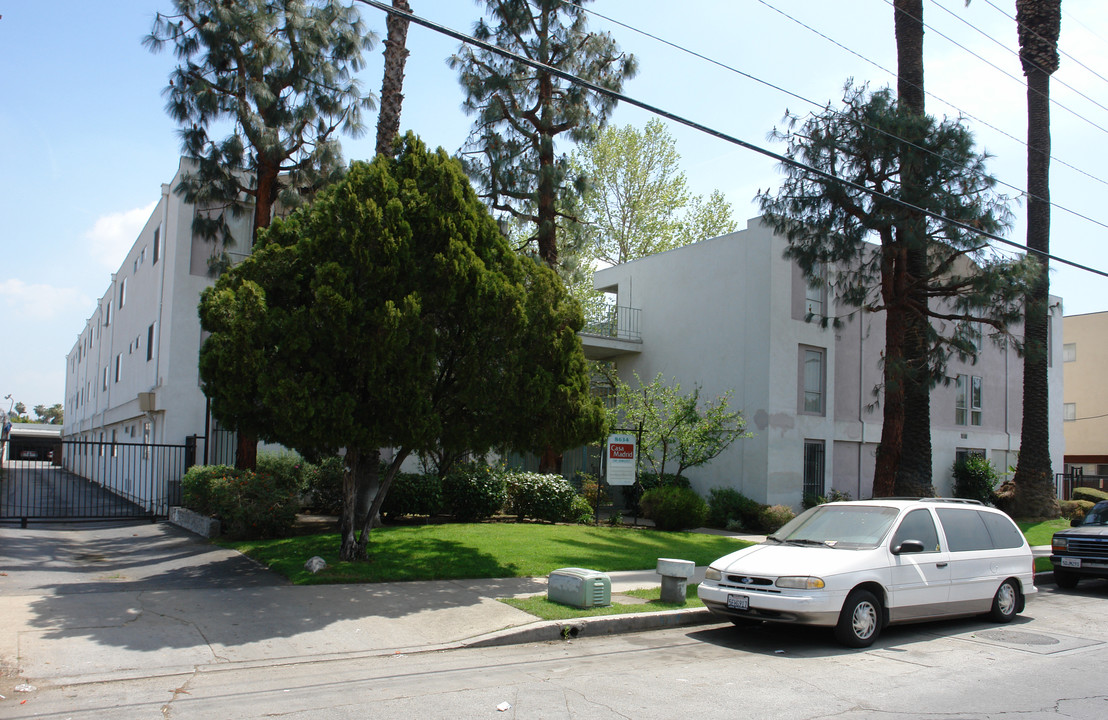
<point>617,333</point>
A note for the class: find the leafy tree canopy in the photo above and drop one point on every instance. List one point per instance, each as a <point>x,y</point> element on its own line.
<point>520,111</point>
<point>280,74</point>
<point>391,312</point>
<point>850,237</point>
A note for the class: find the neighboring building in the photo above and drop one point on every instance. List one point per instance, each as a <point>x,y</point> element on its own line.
<point>132,374</point>
<point>1085,400</point>
<point>729,314</point>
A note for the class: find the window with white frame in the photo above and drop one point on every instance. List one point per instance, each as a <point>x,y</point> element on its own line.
<point>118,366</point>
<point>812,373</point>
<point>814,291</point>
<point>1069,412</point>
<point>122,292</point>
<point>1069,352</point>
<point>967,400</point>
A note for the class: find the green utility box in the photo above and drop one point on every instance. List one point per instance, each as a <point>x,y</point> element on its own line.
<point>579,588</point>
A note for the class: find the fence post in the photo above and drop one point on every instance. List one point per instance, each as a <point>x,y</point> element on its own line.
<point>190,451</point>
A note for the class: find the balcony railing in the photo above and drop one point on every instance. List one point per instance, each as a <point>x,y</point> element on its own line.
<point>622,323</point>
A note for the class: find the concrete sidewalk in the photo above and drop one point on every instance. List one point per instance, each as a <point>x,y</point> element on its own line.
<point>93,603</point>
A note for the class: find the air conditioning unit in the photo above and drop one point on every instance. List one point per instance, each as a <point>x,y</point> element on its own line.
<point>146,402</point>
<point>579,588</point>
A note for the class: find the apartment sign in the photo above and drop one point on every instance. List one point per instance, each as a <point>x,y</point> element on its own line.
<point>622,455</point>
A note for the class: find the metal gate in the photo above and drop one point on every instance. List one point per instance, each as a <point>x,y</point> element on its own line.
<point>86,480</point>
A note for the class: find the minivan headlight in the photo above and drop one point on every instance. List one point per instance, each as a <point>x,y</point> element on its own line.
<point>800,582</point>
<point>1059,543</point>
<point>712,574</point>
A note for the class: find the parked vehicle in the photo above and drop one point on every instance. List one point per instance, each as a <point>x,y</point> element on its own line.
<point>859,566</point>
<point>1082,551</point>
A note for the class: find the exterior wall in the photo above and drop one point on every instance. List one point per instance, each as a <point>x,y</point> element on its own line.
<point>730,313</point>
<point>154,336</point>
<point>1085,388</point>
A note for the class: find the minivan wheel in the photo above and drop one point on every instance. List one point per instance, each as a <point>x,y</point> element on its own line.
<point>1005,602</point>
<point>860,620</point>
<point>1065,580</point>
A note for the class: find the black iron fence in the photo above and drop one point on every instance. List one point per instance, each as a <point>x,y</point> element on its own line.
<point>87,480</point>
<point>1069,482</point>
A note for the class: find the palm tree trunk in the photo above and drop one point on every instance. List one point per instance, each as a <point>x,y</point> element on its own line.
<point>392,84</point>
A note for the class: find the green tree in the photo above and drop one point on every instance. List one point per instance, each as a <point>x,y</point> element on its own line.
<point>521,111</point>
<point>1039,23</point>
<point>828,226</point>
<point>392,313</point>
<point>676,426</point>
<point>278,75</point>
<point>53,415</point>
<point>637,200</point>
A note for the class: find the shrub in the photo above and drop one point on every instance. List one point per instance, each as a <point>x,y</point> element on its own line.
<point>773,517</point>
<point>473,492</point>
<point>810,501</point>
<point>582,511</point>
<point>1091,494</point>
<point>974,479</point>
<point>324,485</point>
<point>728,508</point>
<point>286,468</point>
<point>1075,510</point>
<point>413,494</point>
<point>539,496</point>
<point>593,491</point>
<point>632,494</point>
<point>247,504</point>
<point>674,508</point>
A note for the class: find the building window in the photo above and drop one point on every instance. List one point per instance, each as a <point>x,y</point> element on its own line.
<point>146,440</point>
<point>814,295</point>
<point>967,400</point>
<point>963,454</point>
<point>118,366</point>
<point>150,343</point>
<point>108,313</point>
<point>105,378</point>
<point>1069,412</point>
<point>1069,352</point>
<point>157,244</point>
<point>122,292</point>
<point>812,372</point>
<point>977,336</point>
<point>813,468</point>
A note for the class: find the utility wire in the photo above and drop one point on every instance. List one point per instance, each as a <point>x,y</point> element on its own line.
<point>766,83</point>
<point>1005,72</point>
<point>930,94</point>
<point>620,97</point>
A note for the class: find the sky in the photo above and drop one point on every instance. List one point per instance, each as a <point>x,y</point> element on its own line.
<point>85,142</point>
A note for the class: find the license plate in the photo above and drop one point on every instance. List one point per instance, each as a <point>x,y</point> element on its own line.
<point>1071,562</point>
<point>738,602</point>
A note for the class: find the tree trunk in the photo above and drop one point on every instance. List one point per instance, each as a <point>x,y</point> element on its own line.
<point>362,552</point>
<point>1038,22</point>
<point>392,84</point>
<point>913,474</point>
<point>547,215</point>
<point>348,548</point>
<point>892,426</point>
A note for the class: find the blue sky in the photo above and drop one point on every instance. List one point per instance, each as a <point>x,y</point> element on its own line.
<point>86,143</point>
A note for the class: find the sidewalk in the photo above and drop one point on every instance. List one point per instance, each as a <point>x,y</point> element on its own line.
<point>93,603</point>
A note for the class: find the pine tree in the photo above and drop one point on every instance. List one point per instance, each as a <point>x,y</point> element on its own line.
<point>521,111</point>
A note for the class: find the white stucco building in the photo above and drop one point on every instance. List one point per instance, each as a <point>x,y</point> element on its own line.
<point>132,374</point>
<point>729,314</point>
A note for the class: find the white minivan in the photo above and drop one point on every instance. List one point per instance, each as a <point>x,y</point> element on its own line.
<point>859,566</point>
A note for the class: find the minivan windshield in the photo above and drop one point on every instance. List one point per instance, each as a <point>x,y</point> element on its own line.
<point>838,526</point>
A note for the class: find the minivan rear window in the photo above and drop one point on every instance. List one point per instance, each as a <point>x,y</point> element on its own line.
<point>1003,531</point>
<point>965,530</point>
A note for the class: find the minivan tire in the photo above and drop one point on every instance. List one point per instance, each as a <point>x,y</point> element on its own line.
<point>1006,602</point>
<point>860,620</point>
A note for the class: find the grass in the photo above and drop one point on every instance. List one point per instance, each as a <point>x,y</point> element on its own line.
<point>1040,533</point>
<point>483,550</point>
<point>539,606</point>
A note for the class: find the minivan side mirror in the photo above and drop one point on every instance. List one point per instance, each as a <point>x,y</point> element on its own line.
<point>908,546</point>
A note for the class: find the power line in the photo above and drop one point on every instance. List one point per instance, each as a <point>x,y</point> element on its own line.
<point>654,109</point>
<point>930,94</point>
<point>797,96</point>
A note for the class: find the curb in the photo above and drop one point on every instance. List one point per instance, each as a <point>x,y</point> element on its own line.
<point>560,630</point>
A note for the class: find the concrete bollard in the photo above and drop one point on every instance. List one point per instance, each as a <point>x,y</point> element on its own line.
<point>675,579</point>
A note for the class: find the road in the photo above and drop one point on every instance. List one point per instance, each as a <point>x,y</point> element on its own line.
<point>1049,663</point>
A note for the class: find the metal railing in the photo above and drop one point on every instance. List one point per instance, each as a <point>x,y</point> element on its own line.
<point>87,480</point>
<point>618,321</point>
<point>1067,483</point>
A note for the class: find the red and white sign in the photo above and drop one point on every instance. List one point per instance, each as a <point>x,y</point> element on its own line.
<point>621,458</point>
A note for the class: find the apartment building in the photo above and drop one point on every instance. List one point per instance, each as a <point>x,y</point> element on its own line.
<point>1085,400</point>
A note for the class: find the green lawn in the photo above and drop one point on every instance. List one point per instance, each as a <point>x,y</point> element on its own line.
<point>1040,533</point>
<point>484,550</point>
